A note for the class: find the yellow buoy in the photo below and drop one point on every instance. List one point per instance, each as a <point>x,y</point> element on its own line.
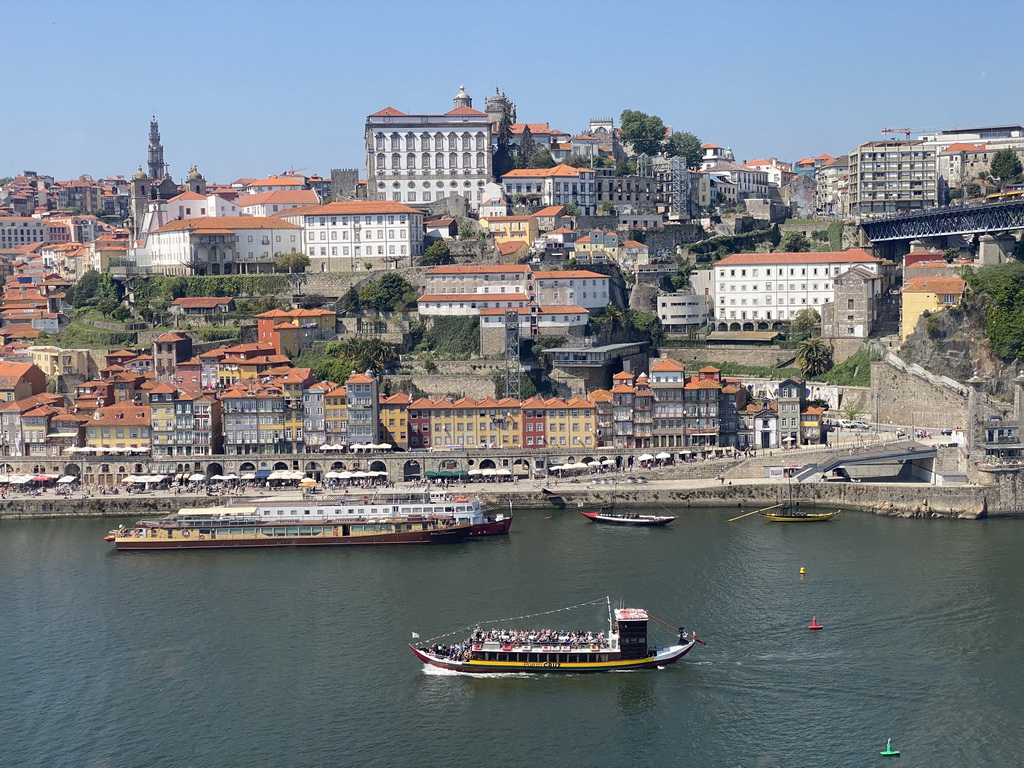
<point>802,571</point>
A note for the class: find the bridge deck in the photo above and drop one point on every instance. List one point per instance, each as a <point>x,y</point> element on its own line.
<point>876,454</point>
<point>948,220</point>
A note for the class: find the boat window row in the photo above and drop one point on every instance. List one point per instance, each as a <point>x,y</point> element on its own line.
<point>559,658</point>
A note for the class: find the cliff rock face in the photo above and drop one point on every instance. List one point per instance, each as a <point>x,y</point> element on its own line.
<point>952,343</point>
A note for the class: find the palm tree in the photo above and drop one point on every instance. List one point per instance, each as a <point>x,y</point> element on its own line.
<point>814,356</point>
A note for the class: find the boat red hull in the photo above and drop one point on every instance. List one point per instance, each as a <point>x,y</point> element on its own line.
<point>513,667</point>
<point>491,528</point>
<point>449,535</point>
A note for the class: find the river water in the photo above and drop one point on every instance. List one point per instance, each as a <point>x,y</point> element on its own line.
<point>299,658</point>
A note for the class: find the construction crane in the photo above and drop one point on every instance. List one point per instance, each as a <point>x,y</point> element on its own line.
<point>293,171</point>
<point>905,131</point>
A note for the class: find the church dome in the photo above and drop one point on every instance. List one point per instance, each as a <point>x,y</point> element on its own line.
<point>462,93</point>
<point>140,174</point>
<point>195,175</point>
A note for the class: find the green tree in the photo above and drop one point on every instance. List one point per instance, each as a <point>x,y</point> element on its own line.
<point>390,292</point>
<point>1005,166</point>
<point>644,133</point>
<point>527,148</point>
<point>542,159</point>
<point>502,160</point>
<point>814,357</point>
<point>806,324</point>
<point>295,261</point>
<point>794,242</point>
<point>436,253</point>
<point>350,301</point>
<point>363,354</point>
<point>84,292</point>
<point>578,161</point>
<point>607,208</point>
<point>571,209</point>
<point>686,146</point>
<point>624,167</point>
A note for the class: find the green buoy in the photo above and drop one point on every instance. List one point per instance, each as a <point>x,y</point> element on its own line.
<point>889,751</point>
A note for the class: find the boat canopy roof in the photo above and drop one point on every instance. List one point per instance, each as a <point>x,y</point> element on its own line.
<point>630,614</point>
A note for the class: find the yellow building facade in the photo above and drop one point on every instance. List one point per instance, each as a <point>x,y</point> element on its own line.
<point>927,294</point>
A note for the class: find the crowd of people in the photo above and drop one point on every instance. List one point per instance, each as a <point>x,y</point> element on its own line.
<point>536,636</point>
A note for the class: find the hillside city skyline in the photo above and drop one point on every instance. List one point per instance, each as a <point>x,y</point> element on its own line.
<point>808,102</point>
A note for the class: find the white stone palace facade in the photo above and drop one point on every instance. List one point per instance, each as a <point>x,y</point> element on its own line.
<point>418,159</point>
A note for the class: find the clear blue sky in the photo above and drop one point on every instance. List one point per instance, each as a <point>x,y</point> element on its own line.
<point>254,88</point>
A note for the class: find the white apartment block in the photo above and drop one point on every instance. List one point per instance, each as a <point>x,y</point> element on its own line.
<point>419,159</point>
<point>277,200</point>
<point>21,230</point>
<point>889,177</point>
<point>757,291</point>
<point>560,185</point>
<point>217,245</point>
<point>579,288</point>
<point>344,236</point>
<point>469,304</point>
<point>677,311</point>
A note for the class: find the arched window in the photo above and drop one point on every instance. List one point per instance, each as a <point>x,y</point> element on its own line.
<point>410,160</point>
<point>395,142</point>
<point>479,141</point>
<point>425,141</point>
<point>439,141</point>
<point>380,141</point>
<point>465,141</point>
<point>439,160</point>
<point>453,160</point>
<point>452,142</point>
<point>466,161</point>
<point>480,160</point>
<point>380,159</point>
<point>396,161</point>
<point>426,159</point>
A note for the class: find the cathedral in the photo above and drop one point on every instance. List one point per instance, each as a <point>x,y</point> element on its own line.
<point>157,185</point>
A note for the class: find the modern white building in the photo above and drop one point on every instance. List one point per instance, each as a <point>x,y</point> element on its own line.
<point>560,185</point>
<point>217,245</point>
<point>756,291</point>
<point>469,304</point>
<point>345,236</point>
<point>419,159</point>
<point>888,177</point>
<point>677,311</point>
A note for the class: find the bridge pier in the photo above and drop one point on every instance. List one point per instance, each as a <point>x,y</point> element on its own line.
<point>995,249</point>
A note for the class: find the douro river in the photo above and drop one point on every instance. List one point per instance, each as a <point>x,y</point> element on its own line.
<point>299,658</point>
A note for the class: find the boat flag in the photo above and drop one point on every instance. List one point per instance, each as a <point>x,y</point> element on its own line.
<point>415,636</point>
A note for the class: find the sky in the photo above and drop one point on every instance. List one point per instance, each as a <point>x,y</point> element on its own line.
<point>256,88</point>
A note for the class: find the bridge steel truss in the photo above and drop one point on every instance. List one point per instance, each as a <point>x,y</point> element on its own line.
<point>950,220</point>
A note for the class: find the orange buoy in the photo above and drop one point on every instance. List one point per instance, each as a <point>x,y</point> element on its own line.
<point>815,624</point>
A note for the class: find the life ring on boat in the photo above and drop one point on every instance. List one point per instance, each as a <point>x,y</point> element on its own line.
<point>478,646</point>
<point>201,536</point>
<point>186,534</point>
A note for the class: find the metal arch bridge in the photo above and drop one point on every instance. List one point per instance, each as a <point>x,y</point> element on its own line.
<point>948,220</point>
<point>881,454</point>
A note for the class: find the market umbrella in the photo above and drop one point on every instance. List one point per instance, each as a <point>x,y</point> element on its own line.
<point>608,462</point>
<point>645,457</point>
<point>663,455</point>
<point>196,477</point>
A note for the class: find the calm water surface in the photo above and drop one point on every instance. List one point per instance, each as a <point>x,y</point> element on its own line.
<point>290,658</point>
